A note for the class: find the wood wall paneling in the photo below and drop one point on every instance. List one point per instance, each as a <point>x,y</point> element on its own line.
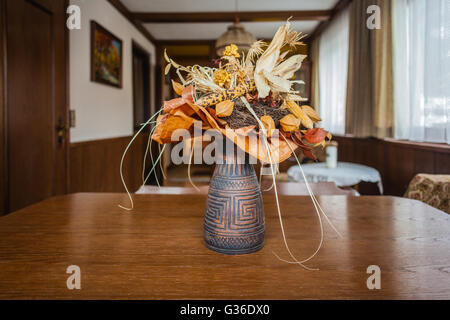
<point>95,165</point>
<point>397,161</point>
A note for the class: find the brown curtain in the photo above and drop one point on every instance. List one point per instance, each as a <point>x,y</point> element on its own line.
<point>369,110</point>
<point>315,97</point>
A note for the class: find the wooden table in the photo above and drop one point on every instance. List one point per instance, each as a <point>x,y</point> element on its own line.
<point>156,251</point>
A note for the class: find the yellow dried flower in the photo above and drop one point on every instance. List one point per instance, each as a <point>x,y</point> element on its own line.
<point>222,78</point>
<point>231,51</point>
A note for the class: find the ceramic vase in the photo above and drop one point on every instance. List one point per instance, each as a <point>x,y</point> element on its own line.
<point>234,215</point>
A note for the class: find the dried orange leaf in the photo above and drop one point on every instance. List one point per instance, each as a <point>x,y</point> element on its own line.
<point>172,123</point>
<point>280,149</point>
<point>161,118</point>
<point>244,131</point>
<point>188,93</point>
<point>205,115</point>
<point>187,96</point>
<point>213,113</point>
<point>177,87</point>
<point>315,135</point>
<point>185,108</point>
<point>290,123</point>
<point>173,104</point>
<point>198,112</point>
<point>311,113</point>
<point>224,108</point>
<point>269,124</point>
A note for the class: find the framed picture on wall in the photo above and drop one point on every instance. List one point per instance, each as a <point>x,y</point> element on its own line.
<point>106,56</point>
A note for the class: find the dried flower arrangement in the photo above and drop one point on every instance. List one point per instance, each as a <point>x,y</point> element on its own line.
<point>252,92</point>
<point>244,95</point>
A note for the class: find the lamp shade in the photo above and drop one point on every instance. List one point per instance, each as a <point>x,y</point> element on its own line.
<point>236,34</point>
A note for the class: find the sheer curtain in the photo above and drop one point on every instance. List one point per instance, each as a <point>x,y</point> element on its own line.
<point>333,62</point>
<point>421,37</point>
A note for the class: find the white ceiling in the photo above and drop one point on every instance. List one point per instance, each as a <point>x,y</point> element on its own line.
<point>226,5</point>
<point>209,31</point>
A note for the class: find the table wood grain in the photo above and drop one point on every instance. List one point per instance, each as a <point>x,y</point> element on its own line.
<point>156,251</point>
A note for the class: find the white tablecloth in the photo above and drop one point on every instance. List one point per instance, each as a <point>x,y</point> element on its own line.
<point>344,175</point>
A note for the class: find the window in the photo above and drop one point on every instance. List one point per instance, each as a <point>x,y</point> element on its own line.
<point>333,63</point>
<point>421,41</point>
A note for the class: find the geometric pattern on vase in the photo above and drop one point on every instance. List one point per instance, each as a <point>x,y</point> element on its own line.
<point>234,214</point>
<point>234,245</point>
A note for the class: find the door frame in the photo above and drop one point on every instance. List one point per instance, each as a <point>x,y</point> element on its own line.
<point>148,71</point>
<point>60,98</point>
<point>4,195</point>
<point>135,46</point>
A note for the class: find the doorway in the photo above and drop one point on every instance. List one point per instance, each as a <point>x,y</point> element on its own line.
<point>142,108</point>
<point>141,86</point>
<point>34,113</point>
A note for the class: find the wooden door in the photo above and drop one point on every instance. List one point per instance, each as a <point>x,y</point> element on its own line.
<point>35,101</point>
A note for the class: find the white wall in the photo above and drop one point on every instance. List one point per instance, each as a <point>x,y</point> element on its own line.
<point>103,111</point>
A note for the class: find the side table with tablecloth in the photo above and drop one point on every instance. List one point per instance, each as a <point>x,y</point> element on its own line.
<point>346,174</point>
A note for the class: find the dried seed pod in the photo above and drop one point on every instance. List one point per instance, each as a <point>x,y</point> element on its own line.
<point>224,108</point>
<point>229,94</point>
<point>167,69</point>
<point>295,109</point>
<point>269,124</point>
<point>177,87</point>
<point>290,123</point>
<point>311,113</point>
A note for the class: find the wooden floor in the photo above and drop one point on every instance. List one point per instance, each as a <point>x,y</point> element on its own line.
<point>156,251</point>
